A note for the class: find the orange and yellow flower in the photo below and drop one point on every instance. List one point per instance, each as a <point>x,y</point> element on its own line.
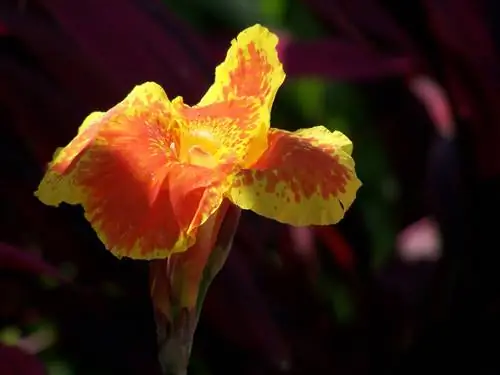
<point>151,171</point>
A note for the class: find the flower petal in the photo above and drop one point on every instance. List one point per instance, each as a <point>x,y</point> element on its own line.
<point>186,269</point>
<point>62,190</point>
<point>304,178</point>
<point>122,168</point>
<point>231,132</point>
<point>251,69</point>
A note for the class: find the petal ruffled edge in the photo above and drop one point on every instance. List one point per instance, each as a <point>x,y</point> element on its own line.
<point>57,183</point>
<point>251,69</point>
<point>304,178</point>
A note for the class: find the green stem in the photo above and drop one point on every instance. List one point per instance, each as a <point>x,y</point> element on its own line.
<point>174,342</point>
<point>175,335</point>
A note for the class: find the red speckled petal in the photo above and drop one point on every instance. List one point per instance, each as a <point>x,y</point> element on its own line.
<point>234,132</point>
<point>56,189</point>
<point>251,69</point>
<point>304,178</point>
<point>123,169</point>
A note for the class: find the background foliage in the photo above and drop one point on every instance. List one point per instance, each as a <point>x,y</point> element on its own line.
<point>363,297</point>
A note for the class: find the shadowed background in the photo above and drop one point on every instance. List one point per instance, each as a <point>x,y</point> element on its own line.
<point>406,283</point>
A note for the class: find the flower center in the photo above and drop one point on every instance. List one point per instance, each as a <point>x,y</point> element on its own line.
<point>199,147</point>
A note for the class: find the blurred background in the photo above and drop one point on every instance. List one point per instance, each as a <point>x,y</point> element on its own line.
<point>407,283</point>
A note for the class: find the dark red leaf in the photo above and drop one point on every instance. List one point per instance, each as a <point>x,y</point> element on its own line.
<point>435,100</point>
<point>472,72</point>
<point>14,361</point>
<point>361,18</point>
<point>15,259</point>
<point>236,309</point>
<point>338,246</point>
<point>3,30</point>
<point>340,59</point>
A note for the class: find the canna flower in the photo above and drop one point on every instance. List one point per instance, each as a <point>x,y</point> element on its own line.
<point>150,172</point>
